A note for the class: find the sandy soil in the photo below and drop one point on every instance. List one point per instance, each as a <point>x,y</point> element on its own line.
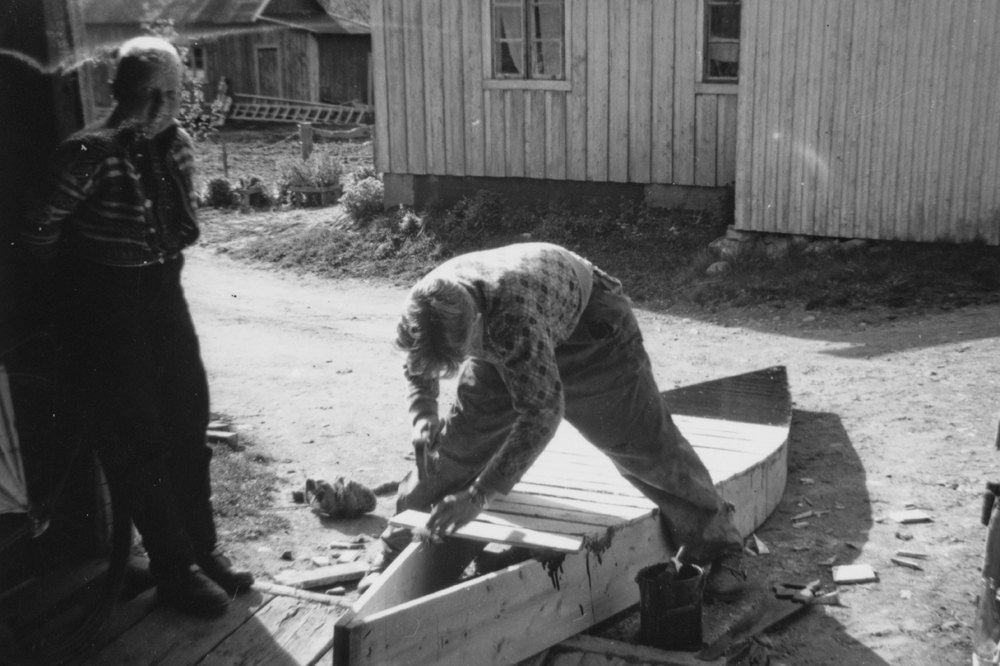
<point>887,412</point>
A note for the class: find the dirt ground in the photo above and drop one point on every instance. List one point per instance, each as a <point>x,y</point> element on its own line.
<point>887,411</point>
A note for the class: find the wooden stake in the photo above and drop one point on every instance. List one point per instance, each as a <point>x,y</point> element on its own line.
<point>306,136</point>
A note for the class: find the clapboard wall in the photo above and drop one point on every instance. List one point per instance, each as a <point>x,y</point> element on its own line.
<point>870,119</point>
<point>632,111</point>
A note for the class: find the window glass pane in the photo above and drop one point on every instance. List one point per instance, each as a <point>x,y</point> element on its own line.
<point>508,58</point>
<point>508,22</point>
<point>547,20</point>
<point>724,60</point>
<point>547,59</point>
<point>724,21</point>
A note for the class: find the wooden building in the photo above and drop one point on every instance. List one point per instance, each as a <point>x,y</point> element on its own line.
<point>291,49</point>
<point>844,118</point>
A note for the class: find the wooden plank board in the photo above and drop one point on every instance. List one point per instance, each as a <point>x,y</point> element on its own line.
<point>515,499</point>
<point>433,77</point>
<point>706,137</point>
<point>661,159</point>
<point>803,124</point>
<point>555,135</point>
<point>483,531</point>
<point>496,151</point>
<point>472,67</point>
<point>785,120</point>
<point>513,103</point>
<point>285,631</point>
<point>685,66</point>
<point>382,129</point>
<point>576,99</point>
<point>335,573</point>
<point>725,169</point>
<point>169,638</point>
<point>618,92</point>
<point>745,116</point>
<point>640,107</point>
<point>412,64</point>
<point>454,93</point>
<point>534,133</point>
<point>598,61</point>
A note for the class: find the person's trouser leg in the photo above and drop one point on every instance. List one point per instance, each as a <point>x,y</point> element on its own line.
<point>612,398</point>
<point>108,357</point>
<point>184,406</point>
<point>473,431</point>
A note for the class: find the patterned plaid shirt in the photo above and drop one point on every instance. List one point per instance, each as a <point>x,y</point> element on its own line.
<point>531,296</point>
<point>117,199</point>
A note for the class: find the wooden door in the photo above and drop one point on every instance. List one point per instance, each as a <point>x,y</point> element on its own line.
<point>268,72</point>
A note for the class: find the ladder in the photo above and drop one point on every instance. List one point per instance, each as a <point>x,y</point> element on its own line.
<point>277,110</point>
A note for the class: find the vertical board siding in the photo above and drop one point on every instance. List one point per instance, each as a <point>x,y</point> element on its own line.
<point>868,119</point>
<point>598,24</point>
<point>381,139</point>
<point>433,85</point>
<point>413,69</point>
<point>630,115</point>
<point>662,162</point>
<point>454,102</point>
<point>640,72</point>
<point>618,93</point>
<point>395,85</point>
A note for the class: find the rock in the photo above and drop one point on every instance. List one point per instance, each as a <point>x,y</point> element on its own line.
<point>820,247</point>
<point>737,235</point>
<point>854,245</point>
<point>776,250</point>
<point>726,248</point>
<point>717,268</point>
<point>287,555</point>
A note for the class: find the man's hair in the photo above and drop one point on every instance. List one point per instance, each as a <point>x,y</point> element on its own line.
<point>434,329</point>
<point>139,60</point>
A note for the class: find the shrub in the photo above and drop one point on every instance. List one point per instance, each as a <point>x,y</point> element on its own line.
<point>322,169</point>
<point>364,199</point>
<point>220,193</point>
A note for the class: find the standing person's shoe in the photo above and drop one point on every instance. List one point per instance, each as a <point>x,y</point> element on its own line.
<point>219,568</point>
<point>191,591</point>
<point>726,579</point>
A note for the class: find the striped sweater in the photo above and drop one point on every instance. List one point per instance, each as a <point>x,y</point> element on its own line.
<point>105,207</point>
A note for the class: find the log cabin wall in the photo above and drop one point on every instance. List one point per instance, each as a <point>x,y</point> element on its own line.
<point>632,109</point>
<point>870,119</point>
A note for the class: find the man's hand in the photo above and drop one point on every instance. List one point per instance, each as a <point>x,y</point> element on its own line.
<point>425,432</point>
<point>453,512</point>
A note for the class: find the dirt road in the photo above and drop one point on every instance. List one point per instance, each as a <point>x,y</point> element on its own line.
<point>887,412</point>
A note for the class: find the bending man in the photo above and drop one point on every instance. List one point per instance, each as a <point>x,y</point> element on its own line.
<point>112,228</point>
<point>538,334</point>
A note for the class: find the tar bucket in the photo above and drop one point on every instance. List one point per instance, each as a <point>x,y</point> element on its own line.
<point>670,606</point>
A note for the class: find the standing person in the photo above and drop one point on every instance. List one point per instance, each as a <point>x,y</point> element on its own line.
<point>539,333</point>
<point>112,228</point>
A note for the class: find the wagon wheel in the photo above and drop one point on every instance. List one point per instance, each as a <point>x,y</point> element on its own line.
<point>57,589</point>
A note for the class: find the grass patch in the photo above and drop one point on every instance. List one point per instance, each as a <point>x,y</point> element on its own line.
<point>243,483</point>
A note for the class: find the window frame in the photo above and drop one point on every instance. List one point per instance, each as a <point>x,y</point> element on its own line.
<point>706,83</point>
<point>509,83</point>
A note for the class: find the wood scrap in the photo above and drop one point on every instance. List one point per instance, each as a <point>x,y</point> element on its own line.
<point>906,562</point>
<point>847,574</point>
<point>912,554</point>
<point>286,591</point>
<point>911,516</point>
<point>335,573</point>
<point>230,439</point>
<point>633,653</point>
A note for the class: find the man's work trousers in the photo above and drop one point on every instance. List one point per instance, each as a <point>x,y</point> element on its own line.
<point>611,397</point>
<point>135,387</point>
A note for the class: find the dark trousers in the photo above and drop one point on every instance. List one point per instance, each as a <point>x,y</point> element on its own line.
<point>611,397</point>
<point>134,386</point>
